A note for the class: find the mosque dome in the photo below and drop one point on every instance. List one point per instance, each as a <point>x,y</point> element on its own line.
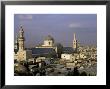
<point>49,38</point>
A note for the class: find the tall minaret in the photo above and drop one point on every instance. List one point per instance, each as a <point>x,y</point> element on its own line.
<point>75,42</point>
<point>21,39</point>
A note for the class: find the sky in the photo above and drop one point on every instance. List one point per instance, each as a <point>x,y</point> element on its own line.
<point>60,26</point>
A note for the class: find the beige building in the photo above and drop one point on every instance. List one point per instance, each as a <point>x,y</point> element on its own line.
<point>50,43</point>
<point>68,57</point>
<point>20,54</point>
<point>70,65</point>
<point>82,56</point>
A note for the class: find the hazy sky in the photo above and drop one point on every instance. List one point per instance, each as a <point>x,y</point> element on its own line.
<point>60,26</point>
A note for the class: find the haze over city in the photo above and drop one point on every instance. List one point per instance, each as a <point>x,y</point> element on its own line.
<point>60,26</point>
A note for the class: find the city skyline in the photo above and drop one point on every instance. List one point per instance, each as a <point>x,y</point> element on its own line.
<point>60,26</point>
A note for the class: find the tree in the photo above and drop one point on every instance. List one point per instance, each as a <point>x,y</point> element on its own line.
<point>83,73</point>
<point>76,72</point>
<point>70,73</point>
<point>42,72</point>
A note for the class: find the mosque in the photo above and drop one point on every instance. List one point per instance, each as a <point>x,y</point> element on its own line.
<point>48,49</point>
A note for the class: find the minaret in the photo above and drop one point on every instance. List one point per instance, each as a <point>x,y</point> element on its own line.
<point>16,43</point>
<point>75,42</point>
<point>21,39</point>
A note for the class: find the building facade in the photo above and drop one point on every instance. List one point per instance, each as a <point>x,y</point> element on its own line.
<point>20,54</point>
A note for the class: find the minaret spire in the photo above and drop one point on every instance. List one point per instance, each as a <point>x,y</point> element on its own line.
<point>74,36</point>
<point>21,39</point>
<point>74,42</point>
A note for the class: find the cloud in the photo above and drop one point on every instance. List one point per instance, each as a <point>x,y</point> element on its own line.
<point>74,25</point>
<point>25,17</point>
<point>82,25</point>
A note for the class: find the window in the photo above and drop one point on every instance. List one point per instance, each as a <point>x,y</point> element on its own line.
<point>49,43</point>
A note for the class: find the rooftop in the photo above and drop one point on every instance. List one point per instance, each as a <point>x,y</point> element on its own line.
<point>68,50</point>
<point>43,51</point>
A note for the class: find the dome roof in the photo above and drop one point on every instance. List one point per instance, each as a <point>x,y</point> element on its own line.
<point>49,38</point>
